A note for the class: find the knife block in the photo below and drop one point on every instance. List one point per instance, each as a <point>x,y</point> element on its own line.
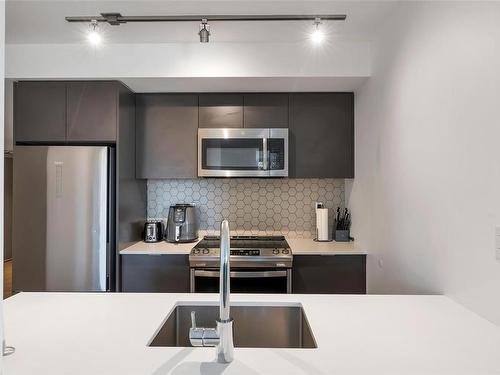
<point>341,235</point>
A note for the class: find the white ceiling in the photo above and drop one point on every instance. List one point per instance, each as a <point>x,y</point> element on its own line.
<point>43,21</point>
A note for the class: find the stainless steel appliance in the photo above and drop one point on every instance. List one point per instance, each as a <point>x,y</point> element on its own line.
<point>243,152</point>
<point>63,218</point>
<point>153,231</point>
<point>182,225</point>
<point>259,264</point>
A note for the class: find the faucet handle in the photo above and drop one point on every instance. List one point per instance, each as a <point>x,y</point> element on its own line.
<point>195,334</point>
<point>202,336</point>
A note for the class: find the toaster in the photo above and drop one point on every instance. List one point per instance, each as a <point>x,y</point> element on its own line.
<point>153,231</point>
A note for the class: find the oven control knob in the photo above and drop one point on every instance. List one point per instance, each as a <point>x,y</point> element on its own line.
<point>205,251</point>
<point>276,251</point>
<point>286,251</point>
<point>196,251</point>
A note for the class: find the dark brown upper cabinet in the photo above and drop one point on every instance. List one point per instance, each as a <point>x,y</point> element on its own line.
<point>167,129</point>
<point>40,111</point>
<point>92,111</point>
<point>67,112</point>
<point>321,143</point>
<point>265,110</point>
<point>221,111</point>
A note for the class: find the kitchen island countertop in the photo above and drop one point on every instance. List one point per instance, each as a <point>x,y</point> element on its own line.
<point>108,333</point>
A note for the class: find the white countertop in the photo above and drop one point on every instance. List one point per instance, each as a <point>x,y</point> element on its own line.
<point>100,334</point>
<point>307,246</point>
<point>157,248</point>
<point>299,246</point>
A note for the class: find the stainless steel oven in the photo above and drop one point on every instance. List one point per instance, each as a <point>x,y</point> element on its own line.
<point>241,152</point>
<point>259,264</point>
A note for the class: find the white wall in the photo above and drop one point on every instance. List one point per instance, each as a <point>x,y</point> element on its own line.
<point>161,67</point>
<point>426,197</point>
<point>342,59</point>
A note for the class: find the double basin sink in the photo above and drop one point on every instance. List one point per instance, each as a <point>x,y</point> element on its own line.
<point>254,326</point>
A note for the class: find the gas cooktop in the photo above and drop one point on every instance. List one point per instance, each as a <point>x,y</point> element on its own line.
<point>245,251</point>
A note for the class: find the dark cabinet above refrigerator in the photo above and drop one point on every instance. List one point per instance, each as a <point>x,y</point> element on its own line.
<point>66,112</point>
<point>40,112</point>
<point>92,111</point>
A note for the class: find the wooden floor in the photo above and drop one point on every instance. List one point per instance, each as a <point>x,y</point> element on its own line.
<point>7,279</point>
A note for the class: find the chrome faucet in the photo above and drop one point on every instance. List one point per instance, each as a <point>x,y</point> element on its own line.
<point>222,336</point>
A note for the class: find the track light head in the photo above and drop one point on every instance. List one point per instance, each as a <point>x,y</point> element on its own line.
<point>317,36</point>
<point>204,32</point>
<point>94,36</point>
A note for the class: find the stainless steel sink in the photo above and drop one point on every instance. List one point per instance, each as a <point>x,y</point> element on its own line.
<point>254,326</point>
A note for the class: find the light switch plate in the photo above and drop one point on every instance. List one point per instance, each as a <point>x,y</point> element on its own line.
<point>497,243</point>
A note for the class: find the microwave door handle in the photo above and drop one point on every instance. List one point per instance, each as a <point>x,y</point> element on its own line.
<point>265,154</point>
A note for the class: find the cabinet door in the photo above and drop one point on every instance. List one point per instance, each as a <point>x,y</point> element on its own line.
<point>265,110</point>
<point>322,135</point>
<point>329,274</point>
<point>40,112</point>
<point>221,111</point>
<point>155,273</point>
<point>92,111</point>
<point>167,135</point>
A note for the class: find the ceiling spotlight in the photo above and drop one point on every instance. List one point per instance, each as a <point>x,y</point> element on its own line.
<point>204,32</point>
<point>317,36</point>
<point>94,36</point>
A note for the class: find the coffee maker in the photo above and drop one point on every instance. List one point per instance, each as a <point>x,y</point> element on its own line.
<point>181,223</point>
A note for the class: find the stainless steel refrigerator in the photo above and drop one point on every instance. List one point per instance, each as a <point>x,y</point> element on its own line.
<point>63,218</point>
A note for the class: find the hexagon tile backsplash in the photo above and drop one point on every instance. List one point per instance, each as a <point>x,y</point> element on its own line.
<point>252,206</point>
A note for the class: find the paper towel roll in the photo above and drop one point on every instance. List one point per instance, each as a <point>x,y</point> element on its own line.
<point>322,224</point>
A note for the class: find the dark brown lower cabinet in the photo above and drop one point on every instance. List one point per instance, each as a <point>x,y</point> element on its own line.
<point>163,273</point>
<point>329,274</point>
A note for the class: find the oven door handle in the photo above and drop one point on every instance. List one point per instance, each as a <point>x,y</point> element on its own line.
<point>242,274</point>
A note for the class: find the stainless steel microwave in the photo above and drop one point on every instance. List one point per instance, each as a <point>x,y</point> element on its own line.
<point>243,152</point>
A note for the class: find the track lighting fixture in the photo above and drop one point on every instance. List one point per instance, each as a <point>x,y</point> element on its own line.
<point>317,36</point>
<point>116,19</point>
<point>94,36</point>
<point>204,32</point>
